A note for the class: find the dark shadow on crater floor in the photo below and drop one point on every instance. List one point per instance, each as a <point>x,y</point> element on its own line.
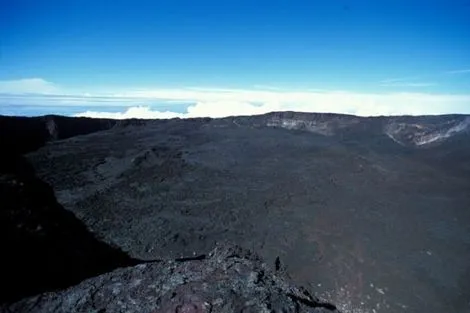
<point>44,247</point>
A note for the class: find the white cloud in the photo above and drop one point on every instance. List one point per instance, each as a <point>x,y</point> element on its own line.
<point>200,109</point>
<point>212,102</point>
<point>28,85</point>
<point>401,79</point>
<point>403,84</point>
<point>464,71</point>
<point>333,101</point>
<point>132,112</point>
<point>350,103</point>
<point>411,81</point>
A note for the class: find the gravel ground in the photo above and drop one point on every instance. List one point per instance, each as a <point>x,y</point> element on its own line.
<point>372,213</point>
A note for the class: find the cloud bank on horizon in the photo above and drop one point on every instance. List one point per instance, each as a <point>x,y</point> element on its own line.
<point>213,102</point>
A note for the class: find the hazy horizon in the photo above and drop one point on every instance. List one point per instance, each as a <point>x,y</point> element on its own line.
<point>150,59</point>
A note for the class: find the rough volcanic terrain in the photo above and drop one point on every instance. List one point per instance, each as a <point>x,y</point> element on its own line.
<point>228,280</point>
<point>370,213</point>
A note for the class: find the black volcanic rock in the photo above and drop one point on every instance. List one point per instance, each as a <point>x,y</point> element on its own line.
<point>44,247</point>
<point>356,213</point>
<point>229,280</point>
<point>368,212</point>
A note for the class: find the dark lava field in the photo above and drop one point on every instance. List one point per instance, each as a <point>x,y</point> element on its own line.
<point>372,214</point>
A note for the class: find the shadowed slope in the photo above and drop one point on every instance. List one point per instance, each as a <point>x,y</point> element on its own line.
<point>44,247</point>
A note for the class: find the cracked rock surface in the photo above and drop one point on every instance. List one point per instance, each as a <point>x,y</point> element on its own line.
<point>229,279</point>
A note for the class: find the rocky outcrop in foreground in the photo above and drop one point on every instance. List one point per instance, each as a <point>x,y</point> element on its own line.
<point>229,279</point>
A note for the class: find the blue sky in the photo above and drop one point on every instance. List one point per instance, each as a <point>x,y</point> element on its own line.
<point>234,57</point>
